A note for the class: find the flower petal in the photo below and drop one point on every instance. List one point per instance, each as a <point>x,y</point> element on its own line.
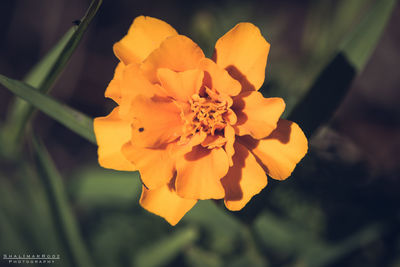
<point>243,52</point>
<point>199,173</point>
<point>157,165</point>
<point>213,141</point>
<point>111,134</point>
<point>178,53</point>
<point>114,88</point>
<point>166,203</point>
<point>134,84</point>
<point>145,158</point>
<point>280,151</point>
<point>230,117</point>
<point>156,121</point>
<point>256,115</point>
<point>229,134</point>
<point>144,35</point>
<point>181,85</point>
<point>218,78</point>
<point>244,179</point>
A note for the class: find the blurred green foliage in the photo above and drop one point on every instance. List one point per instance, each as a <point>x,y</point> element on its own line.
<point>91,216</point>
<point>42,77</point>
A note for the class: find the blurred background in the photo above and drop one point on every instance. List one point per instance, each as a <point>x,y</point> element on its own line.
<point>339,208</point>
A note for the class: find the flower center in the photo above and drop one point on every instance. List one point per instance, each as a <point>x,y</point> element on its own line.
<point>207,114</point>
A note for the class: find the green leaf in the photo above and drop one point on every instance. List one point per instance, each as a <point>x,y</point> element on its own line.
<point>48,70</point>
<point>289,239</point>
<point>334,81</point>
<point>40,75</point>
<point>10,205</point>
<point>163,251</point>
<point>360,45</point>
<point>61,211</point>
<point>319,256</point>
<point>251,255</point>
<point>283,236</point>
<point>43,76</point>
<point>70,118</point>
<point>10,236</point>
<point>197,257</point>
<point>96,186</point>
<point>37,207</point>
<point>222,228</point>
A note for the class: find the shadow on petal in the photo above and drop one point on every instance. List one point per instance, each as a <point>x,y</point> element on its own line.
<point>240,77</point>
<point>239,103</point>
<point>236,74</point>
<point>231,182</point>
<point>281,133</point>
<point>197,154</point>
<point>171,183</point>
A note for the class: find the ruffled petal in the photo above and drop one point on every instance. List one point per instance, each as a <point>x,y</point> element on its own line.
<point>199,173</point>
<point>180,85</point>
<point>157,165</point>
<point>230,117</point>
<point>166,203</point>
<point>218,78</point>
<point>144,35</point>
<point>256,115</point>
<point>111,134</point>
<point>243,52</point>
<point>177,53</point>
<point>213,141</point>
<point>114,88</point>
<point>244,179</point>
<point>156,121</point>
<point>134,84</point>
<point>145,159</point>
<point>229,134</point>
<point>281,151</point>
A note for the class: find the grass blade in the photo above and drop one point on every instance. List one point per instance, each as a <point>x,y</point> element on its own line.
<point>165,250</point>
<point>43,76</point>
<point>334,81</point>
<point>46,80</point>
<point>70,118</point>
<point>61,211</point>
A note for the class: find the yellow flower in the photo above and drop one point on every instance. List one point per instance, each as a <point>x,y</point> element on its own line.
<point>195,128</point>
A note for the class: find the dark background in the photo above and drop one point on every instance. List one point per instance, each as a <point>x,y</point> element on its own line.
<point>350,177</point>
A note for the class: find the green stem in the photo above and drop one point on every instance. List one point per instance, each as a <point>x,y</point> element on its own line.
<point>65,221</point>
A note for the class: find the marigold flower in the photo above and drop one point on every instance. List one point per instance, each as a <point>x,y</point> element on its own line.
<point>195,128</point>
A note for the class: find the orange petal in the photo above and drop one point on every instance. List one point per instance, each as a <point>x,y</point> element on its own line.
<point>156,166</point>
<point>218,78</point>
<point>178,53</point>
<point>244,180</point>
<point>144,35</point>
<point>199,173</point>
<point>181,85</point>
<point>213,141</point>
<point>134,84</point>
<point>243,52</point>
<point>230,117</point>
<point>166,203</point>
<point>280,151</point>
<point>256,115</point>
<point>156,121</point>
<point>113,90</point>
<point>111,134</point>
<point>229,133</point>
